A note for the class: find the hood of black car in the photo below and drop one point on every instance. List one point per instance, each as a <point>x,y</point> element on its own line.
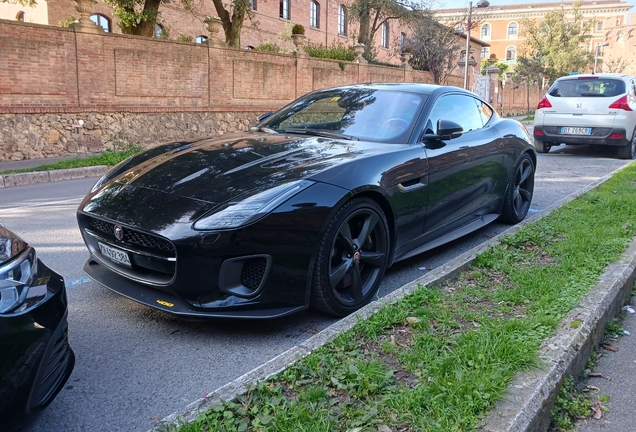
<point>10,245</point>
<point>219,169</point>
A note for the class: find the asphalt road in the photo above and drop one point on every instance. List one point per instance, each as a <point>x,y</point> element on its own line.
<point>136,365</point>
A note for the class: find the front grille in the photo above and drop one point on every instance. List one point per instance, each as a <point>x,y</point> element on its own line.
<point>152,258</point>
<point>253,272</point>
<point>134,237</point>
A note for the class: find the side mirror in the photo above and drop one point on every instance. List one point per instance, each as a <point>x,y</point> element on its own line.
<point>264,116</point>
<point>446,130</point>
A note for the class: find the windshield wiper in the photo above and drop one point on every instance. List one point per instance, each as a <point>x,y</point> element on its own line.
<point>319,132</point>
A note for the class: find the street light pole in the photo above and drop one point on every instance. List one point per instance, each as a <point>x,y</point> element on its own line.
<point>470,15</point>
<point>598,45</point>
<point>480,4</point>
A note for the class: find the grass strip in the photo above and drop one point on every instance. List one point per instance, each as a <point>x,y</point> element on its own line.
<point>108,157</point>
<point>440,358</point>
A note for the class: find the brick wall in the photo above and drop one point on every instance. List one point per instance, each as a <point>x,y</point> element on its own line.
<point>46,69</point>
<point>147,90</point>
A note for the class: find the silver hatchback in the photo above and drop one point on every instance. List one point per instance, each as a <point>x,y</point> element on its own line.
<point>596,109</point>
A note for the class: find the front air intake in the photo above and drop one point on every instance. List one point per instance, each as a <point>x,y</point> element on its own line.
<point>244,276</point>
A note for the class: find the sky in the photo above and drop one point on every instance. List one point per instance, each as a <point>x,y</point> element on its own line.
<point>464,3</point>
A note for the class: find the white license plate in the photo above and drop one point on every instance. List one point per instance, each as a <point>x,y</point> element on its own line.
<point>116,255</point>
<point>576,131</point>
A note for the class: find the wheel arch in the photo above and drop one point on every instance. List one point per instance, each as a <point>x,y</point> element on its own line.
<point>380,199</point>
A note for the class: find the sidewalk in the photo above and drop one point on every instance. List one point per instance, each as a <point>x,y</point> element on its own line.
<point>8,180</point>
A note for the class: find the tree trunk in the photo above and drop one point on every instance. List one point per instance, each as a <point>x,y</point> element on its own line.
<point>365,28</point>
<point>232,25</point>
<point>147,27</point>
<point>528,98</point>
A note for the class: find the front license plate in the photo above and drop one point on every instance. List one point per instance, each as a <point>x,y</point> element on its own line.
<point>116,255</point>
<point>576,131</point>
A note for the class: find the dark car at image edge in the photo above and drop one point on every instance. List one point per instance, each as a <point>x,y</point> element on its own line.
<point>309,207</point>
<point>35,357</point>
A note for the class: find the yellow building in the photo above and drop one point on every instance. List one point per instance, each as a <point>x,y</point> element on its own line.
<point>502,26</point>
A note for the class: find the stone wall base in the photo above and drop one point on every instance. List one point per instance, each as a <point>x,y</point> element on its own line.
<point>35,136</point>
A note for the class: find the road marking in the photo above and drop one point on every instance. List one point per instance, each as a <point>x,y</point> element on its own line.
<point>77,281</point>
<point>70,200</point>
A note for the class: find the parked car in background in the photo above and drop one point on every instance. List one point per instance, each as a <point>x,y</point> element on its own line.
<point>35,358</point>
<point>309,207</point>
<point>596,109</point>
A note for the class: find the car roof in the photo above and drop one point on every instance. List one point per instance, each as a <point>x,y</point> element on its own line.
<point>594,76</point>
<point>426,89</point>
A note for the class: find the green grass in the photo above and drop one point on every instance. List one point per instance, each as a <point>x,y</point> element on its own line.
<point>445,367</point>
<point>108,157</point>
<point>528,118</point>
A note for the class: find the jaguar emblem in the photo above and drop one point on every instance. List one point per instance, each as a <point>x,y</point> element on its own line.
<point>119,232</point>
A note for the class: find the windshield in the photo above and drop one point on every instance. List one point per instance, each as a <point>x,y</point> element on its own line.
<point>352,113</point>
<point>587,87</point>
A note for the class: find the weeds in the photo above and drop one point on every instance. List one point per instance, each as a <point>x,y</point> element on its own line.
<point>121,150</point>
<point>440,358</point>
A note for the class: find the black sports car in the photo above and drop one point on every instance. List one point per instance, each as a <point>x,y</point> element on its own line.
<point>309,207</point>
<point>35,358</point>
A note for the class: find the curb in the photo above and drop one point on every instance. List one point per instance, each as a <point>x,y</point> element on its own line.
<point>529,398</point>
<point>9,180</point>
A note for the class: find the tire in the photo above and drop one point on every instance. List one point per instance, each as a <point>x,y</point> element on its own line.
<point>627,152</point>
<point>519,192</point>
<point>542,147</point>
<point>350,264</point>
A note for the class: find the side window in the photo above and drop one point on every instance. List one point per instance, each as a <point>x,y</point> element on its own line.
<point>458,108</point>
<point>485,112</point>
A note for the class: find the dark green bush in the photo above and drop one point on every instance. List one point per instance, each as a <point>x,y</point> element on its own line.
<point>298,29</point>
<point>336,51</point>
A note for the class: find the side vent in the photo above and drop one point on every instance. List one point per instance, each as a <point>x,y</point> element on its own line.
<point>244,276</point>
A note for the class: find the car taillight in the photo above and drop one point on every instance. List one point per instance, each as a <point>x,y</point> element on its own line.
<point>621,104</point>
<point>544,103</point>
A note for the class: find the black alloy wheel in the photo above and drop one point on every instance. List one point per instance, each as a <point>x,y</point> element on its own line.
<point>352,258</point>
<point>519,193</point>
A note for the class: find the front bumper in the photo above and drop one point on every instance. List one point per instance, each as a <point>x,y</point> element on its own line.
<point>234,307</point>
<point>599,136</point>
<point>36,359</point>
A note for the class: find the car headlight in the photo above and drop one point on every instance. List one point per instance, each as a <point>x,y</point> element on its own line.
<point>252,208</point>
<point>16,277</point>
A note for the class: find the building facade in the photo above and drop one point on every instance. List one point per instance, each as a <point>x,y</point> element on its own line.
<point>502,26</point>
<point>326,22</point>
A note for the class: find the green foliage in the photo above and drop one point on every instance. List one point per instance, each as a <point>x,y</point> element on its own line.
<point>30,3</point>
<point>371,14</point>
<point>503,67</point>
<point>570,404</point>
<point>184,38</point>
<point>336,51</point>
<point>298,29</point>
<point>270,47</point>
<point>381,63</point>
<point>446,370</point>
<point>559,41</point>
<point>122,150</point>
<point>67,22</point>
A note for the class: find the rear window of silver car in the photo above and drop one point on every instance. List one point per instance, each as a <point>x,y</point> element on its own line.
<point>587,87</point>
